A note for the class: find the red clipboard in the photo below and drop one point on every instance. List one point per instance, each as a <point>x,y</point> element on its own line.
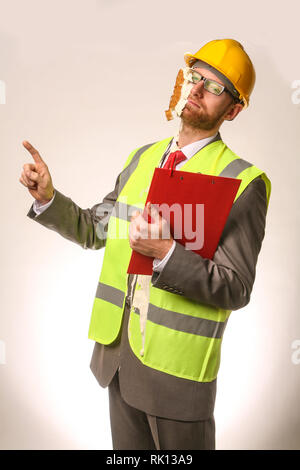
<point>193,204</point>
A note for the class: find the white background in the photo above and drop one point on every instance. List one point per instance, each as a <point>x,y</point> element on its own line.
<point>86,83</point>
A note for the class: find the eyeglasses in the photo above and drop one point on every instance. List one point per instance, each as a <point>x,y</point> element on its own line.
<point>210,85</point>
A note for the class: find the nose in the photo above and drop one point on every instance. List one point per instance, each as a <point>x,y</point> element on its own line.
<point>198,88</point>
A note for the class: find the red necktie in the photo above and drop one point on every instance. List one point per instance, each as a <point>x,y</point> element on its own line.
<point>175,157</point>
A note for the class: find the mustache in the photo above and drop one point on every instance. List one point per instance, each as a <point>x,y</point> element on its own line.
<point>193,101</point>
<point>197,103</point>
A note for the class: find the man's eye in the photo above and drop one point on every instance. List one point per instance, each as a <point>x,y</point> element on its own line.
<point>196,78</point>
<point>214,88</point>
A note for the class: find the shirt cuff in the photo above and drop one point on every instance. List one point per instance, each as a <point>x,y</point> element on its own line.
<point>39,208</point>
<point>159,264</point>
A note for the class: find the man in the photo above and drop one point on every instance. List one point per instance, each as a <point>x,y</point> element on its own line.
<point>158,338</point>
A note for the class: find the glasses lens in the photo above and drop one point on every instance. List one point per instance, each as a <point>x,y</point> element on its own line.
<point>194,77</point>
<point>209,85</point>
<point>213,87</point>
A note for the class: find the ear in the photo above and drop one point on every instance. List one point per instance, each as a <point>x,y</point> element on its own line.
<point>233,112</point>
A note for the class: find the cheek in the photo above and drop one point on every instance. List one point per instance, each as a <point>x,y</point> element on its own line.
<point>216,106</point>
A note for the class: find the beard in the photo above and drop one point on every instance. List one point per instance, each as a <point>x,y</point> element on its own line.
<point>198,118</point>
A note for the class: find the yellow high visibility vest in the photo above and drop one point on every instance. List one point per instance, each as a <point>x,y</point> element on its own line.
<point>182,337</point>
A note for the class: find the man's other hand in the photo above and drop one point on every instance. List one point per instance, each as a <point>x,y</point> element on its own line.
<point>150,239</point>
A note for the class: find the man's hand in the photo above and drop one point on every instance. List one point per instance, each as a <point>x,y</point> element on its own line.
<point>152,239</point>
<point>36,177</point>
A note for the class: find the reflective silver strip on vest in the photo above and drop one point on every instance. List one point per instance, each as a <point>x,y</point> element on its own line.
<point>185,323</point>
<point>110,294</point>
<point>127,172</point>
<point>233,169</point>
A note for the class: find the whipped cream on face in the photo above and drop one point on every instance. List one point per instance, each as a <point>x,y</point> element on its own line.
<point>185,91</point>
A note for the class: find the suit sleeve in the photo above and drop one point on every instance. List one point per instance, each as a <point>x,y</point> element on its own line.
<point>226,281</point>
<point>86,227</point>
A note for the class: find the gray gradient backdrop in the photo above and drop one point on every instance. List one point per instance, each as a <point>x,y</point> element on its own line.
<point>87,82</point>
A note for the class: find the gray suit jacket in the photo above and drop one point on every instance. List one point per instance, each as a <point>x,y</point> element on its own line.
<point>225,282</point>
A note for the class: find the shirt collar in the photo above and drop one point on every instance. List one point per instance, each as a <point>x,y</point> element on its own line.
<point>191,149</point>
<point>188,150</point>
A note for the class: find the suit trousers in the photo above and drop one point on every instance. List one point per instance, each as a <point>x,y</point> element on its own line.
<point>133,429</point>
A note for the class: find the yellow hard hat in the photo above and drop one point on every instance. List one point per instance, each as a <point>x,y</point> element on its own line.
<point>229,58</point>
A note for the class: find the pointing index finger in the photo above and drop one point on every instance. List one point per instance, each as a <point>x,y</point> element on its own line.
<point>34,153</point>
